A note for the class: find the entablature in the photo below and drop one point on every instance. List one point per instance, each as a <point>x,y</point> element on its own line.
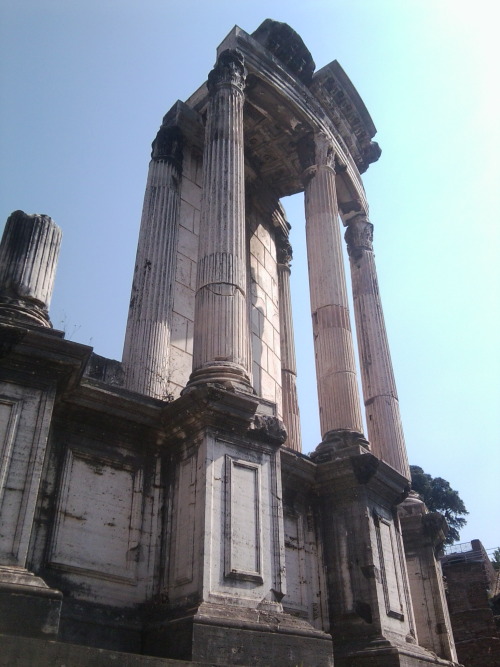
<point>285,102</point>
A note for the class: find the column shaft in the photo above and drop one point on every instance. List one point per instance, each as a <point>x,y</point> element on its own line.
<point>383,419</point>
<point>147,339</point>
<point>221,330</point>
<point>335,367</point>
<point>291,415</point>
<point>28,260</point>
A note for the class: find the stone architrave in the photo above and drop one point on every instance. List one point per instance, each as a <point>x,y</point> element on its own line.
<point>339,405</point>
<point>147,340</point>
<point>383,419</point>
<point>28,260</point>
<point>221,349</point>
<point>291,415</point>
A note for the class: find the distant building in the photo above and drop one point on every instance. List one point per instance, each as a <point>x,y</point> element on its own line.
<point>161,505</point>
<point>474,602</point>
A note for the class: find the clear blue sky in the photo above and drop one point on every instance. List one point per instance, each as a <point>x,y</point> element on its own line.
<point>85,85</point>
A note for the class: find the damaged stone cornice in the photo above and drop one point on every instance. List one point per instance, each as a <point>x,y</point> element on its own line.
<point>304,99</point>
<point>343,475</point>
<point>208,405</point>
<point>346,109</point>
<point>55,358</point>
<point>212,406</point>
<point>298,468</point>
<point>116,404</point>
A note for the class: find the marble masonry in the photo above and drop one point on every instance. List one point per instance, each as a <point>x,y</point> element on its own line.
<point>161,505</point>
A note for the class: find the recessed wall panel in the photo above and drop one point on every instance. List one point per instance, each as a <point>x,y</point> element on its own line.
<point>98,517</point>
<point>243,553</point>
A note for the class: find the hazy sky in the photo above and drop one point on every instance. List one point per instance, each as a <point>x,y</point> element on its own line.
<point>85,85</point>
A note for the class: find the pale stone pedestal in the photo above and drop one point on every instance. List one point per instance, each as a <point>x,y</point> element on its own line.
<point>370,608</point>
<point>223,578</point>
<point>28,607</point>
<point>423,533</point>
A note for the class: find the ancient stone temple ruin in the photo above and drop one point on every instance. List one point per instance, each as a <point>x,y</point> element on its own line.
<point>161,506</point>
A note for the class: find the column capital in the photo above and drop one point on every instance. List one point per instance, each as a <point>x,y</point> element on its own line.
<point>284,252</point>
<point>315,152</point>
<point>229,70</point>
<point>359,235</point>
<point>168,146</point>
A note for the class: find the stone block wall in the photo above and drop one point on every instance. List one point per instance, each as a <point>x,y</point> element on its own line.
<point>265,326</point>
<point>98,520</point>
<point>305,572</point>
<point>181,341</point>
<point>262,287</point>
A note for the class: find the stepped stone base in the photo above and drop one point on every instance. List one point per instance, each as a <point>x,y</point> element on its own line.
<point>384,654</point>
<point>28,607</point>
<point>241,637</point>
<point>16,652</point>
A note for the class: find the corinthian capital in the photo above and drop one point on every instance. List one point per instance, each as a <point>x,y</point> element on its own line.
<point>168,145</point>
<point>359,236</point>
<point>324,153</point>
<point>315,151</point>
<point>229,70</point>
<point>284,253</point>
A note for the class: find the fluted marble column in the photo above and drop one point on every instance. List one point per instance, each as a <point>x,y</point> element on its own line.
<point>379,388</point>
<point>291,416</point>
<point>340,412</point>
<point>28,260</point>
<point>147,339</point>
<point>221,331</point>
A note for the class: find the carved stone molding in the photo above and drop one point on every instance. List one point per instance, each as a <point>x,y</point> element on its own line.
<point>268,429</point>
<point>287,46</point>
<point>168,146</point>
<point>359,236</point>
<point>229,70</point>
<point>284,252</point>
<point>314,151</point>
<point>353,207</point>
<point>341,439</point>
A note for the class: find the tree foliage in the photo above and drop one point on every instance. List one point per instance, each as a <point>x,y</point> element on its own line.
<point>495,559</point>
<point>438,495</point>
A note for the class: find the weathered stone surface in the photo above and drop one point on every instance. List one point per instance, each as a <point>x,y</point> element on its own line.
<point>423,536</point>
<point>291,415</point>
<point>383,418</point>
<point>43,653</point>
<point>284,43</point>
<point>265,304</point>
<point>339,406</point>
<point>221,349</point>
<point>28,260</point>
<point>147,342</point>
<point>471,580</point>
<point>150,505</point>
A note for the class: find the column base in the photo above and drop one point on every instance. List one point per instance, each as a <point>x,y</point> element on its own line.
<point>230,376</point>
<point>225,635</point>
<point>341,441</point>
<point>28,607</point>
<point>25,311</point>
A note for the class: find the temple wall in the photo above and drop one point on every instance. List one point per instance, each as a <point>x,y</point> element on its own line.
<point>305,574</point>
<point>98,522</point>
<point>265,326</point>
<point>263,292</point>
<point>181,353</point>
